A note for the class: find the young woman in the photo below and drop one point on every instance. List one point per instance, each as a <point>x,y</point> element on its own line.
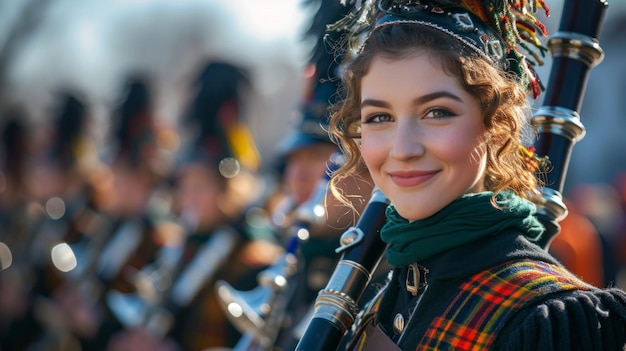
<point>435,107</point>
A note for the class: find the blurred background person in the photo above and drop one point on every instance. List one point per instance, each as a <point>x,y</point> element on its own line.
<point>303,159</point>
<point>131,196</point>
<point>136,176</point>
<point>580,247</point>
<point>61,243</point>
<point>14,154</point>
<point>17,223</point>
<point>212,185</point>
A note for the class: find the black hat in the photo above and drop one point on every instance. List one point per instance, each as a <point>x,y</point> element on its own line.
<point>215,118</point>
<point>68,133</point>
<point>14,143</point>
<point>135,132</point>
<point>313,125</point>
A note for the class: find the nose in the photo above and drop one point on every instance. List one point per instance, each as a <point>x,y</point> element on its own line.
<point>407,142</point>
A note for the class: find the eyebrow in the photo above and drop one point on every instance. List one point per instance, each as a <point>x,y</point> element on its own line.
<point>417,101</point>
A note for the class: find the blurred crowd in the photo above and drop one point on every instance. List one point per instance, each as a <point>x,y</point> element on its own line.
<point>163,236</point>
<point>124,249</point>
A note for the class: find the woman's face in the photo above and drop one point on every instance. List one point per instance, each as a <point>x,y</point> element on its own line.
<point>422,135</point>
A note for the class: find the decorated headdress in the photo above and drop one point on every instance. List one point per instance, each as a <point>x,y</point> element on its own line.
<point>215,116</point>
<point>504,32</point>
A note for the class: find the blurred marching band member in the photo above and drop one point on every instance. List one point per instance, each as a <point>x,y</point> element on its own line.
<point>212,185</point>
<point>13,159</point>
<point>75,229</point>
<point>58,251</point>
<point>137,176</point>
<point>98,231</point>
<point>16,222</point>
<point>304,156</point>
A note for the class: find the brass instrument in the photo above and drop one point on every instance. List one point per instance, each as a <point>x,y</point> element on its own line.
<point>260,313</point>
<point>166,282</point>
<point>76,263</point>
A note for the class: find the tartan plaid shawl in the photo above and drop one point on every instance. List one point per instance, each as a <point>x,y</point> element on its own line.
<point>488,299</point>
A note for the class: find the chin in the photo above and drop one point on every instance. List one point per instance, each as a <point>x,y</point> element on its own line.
<point>412,215</point>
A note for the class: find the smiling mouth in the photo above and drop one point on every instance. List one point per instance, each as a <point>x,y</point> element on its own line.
<point>410,179</point>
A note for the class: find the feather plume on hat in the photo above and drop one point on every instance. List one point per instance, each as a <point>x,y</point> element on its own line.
<point>221,136</point>
<point>135,130</point>
<point>69,145</point>
<point>13,145</point>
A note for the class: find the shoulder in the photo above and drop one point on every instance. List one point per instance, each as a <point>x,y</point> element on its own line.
<point>569,320</point>
<point>520,282</point>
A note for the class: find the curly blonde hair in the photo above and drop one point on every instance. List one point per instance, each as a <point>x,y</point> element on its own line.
<point>505,104</point>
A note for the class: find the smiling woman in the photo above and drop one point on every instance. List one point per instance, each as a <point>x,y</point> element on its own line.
<point>435,105</point>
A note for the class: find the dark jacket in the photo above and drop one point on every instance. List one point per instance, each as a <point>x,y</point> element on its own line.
<point>570,320</point>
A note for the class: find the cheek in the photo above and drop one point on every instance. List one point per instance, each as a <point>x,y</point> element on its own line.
<point>466,153</point>
<point>373,150</point>
<point>456,150</point>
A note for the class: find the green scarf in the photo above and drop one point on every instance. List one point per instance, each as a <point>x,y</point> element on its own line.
<point>468,218</point>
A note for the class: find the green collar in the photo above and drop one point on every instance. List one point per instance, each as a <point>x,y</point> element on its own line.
<point>470,217</point>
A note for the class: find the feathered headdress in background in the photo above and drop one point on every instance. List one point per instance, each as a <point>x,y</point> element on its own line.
<point>69,144</point>
<point>503,31</point>
<point>216,117</point>
<point>13,145</point>
<point>135,132</point>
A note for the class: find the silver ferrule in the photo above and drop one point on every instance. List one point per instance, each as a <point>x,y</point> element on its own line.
<point>576,46</point>
<point>349,277</point>
<point>552,205</point>
<point>334,303</point>
<point>336,307</point>
<point>559,121</point>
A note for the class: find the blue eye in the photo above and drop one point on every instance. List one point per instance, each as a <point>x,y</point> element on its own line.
<point>377,118</point>
<point>438,113</point>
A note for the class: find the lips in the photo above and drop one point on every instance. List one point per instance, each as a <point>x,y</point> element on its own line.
<point>411,178</point>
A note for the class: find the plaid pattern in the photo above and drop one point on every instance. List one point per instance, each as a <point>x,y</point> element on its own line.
<point>484,303</point>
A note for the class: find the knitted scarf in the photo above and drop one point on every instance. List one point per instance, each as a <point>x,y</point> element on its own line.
<point>470,217</point>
